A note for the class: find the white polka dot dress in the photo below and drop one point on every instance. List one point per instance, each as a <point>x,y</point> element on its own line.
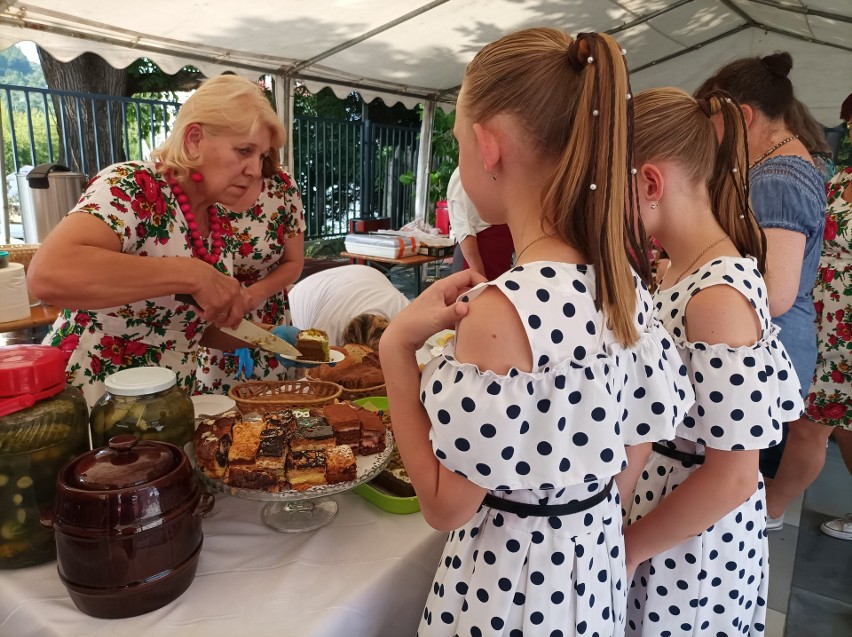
<point>548,436</point>
<point>717,582</point>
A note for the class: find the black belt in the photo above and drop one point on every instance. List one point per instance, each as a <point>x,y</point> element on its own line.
<point>546,510</point>
<point>676,454</point>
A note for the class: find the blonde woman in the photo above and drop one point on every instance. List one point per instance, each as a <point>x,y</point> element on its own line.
<point>145,231</point>
<point>512,438</point>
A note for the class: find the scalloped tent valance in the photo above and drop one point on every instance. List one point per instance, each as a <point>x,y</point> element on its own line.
<point>415,50</point>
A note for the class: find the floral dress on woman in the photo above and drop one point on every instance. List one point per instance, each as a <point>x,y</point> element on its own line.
<point>830,398</point>
<point>142,210</point>
<point>257,240</point>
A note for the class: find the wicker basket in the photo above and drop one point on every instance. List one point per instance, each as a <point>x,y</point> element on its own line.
<point>21,253</point>
<point>268,396</point>
<point>355,394</point>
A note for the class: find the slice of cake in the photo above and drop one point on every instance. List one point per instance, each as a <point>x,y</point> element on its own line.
<point>306,469</point>
<point>372,433</point>
<point>212,441</point>
<point>313,344</point>
<point>312,432</point>
<point>253,477</point>
<point>245,441</point>
<point>340,464</point>
<point>343,418</point>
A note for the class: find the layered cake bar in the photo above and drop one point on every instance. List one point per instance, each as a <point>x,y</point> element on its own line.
<point>253,477</point>
<point>306,469</point>
<point>313,344</point>
<point>372,433</point>
<point>312,432</point>
<point>340,464</point>
<point>344,420</point>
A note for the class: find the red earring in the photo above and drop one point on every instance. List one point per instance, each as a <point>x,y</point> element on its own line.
<point>196,176</point>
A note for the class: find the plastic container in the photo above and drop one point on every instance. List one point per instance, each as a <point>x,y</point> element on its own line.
<point>442,217</point>
<point>382,245</point>
<point>43,425</point>
<point>145,402</point>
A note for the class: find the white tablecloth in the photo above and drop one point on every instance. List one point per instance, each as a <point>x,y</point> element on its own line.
<point>367,573</point>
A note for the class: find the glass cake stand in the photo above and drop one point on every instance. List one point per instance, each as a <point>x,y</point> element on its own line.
<point>296,511</point>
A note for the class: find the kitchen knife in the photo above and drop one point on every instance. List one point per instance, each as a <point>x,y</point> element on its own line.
<point>252,334</point>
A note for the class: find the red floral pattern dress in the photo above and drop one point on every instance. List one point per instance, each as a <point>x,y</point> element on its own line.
<point>829,401</point>
<point>138,205</point>
<point>257,240</point>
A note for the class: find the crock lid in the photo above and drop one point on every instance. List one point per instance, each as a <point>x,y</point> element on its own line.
<point>124,462</point>
<point>138,381</point>
<point>31,369</point>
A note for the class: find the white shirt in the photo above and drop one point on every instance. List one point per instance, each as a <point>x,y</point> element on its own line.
<point>464,219</point>
<point>330,299</point>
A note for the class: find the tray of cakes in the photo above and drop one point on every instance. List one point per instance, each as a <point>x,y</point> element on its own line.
<point>292,454</point>
<point>359,372</point>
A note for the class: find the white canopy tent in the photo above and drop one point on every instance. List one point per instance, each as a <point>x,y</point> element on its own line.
<point>415,51</point>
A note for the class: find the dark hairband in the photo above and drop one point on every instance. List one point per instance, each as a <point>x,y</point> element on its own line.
<point>705,107</point>
<point>579,52</point>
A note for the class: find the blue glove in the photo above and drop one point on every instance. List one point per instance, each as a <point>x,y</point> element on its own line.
<point>245,363</point>
<point>290,333</point>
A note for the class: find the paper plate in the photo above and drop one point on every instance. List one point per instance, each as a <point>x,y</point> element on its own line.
<point>212,404</point>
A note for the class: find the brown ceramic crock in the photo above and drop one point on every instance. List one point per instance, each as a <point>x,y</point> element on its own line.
<point>127,522</point>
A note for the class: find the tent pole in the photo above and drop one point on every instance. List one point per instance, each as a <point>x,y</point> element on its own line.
<point>283,87</point>
<point>424,160</point>
<point>5,228</point>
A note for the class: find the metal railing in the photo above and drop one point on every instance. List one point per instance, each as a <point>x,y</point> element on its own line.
<point>345,170</point>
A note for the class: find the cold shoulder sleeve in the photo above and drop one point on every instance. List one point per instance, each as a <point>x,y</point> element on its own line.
<point>743,394</point>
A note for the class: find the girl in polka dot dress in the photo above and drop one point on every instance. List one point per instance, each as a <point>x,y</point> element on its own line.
<point>512,437</point>
<point>697,519</point>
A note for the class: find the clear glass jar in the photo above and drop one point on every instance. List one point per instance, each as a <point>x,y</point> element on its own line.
<point>43,425</point>
<point>145,402</point>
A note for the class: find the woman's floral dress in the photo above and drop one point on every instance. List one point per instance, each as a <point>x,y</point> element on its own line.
<point>138,205</point>
<point>257,239</point>
<point>829,400</point>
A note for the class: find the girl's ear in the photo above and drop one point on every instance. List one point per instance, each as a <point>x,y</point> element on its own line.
<point>652,183</point>
<point>489,146</point>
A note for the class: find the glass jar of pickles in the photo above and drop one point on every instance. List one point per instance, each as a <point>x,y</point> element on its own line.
<point>145,402</point>
<point>43,425</point>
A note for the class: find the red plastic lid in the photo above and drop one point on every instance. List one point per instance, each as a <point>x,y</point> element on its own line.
<point>31,369</point>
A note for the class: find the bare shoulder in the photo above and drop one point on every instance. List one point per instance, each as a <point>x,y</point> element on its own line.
<point>492,335</point>
<point>720,314</point>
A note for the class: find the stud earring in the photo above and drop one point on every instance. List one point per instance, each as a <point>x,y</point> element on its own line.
<point>196,176</point>
<point>654,205</point>
<point>493,176</point>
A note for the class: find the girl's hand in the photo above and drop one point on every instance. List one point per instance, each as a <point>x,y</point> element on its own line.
<point>434,310</point>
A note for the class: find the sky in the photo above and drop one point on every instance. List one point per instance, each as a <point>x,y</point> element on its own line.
<point>29,50</point>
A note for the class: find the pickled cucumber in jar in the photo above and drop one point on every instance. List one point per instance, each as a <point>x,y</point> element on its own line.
<point>145,402</point>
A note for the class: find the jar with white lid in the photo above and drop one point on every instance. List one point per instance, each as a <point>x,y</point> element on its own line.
<point>145,402</point>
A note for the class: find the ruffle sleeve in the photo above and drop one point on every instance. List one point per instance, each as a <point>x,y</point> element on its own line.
<point>566,425</point>
<point>742,395</point>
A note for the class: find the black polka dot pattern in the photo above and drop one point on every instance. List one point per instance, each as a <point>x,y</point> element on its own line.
<point>737,389</point>
<point>716,582</point>
<point>550,436</point>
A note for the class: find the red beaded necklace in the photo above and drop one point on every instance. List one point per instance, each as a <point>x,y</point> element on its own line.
<point>195,239</point>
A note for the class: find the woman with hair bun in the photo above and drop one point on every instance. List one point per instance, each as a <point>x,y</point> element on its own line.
<point>514,435</point>
<point>788,198</point>
<point>696,524</point>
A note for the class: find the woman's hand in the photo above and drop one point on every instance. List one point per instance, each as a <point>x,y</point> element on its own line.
<point>434,310</point>
<point>219,296</point>
<point>252,298</point>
